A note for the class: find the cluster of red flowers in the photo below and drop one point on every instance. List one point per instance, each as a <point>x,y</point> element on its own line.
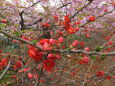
<point>46,45</point>
<point>34,53</point>
<point>3,63</point>
<point>84,60</point>
<point>45,24</point>
<point>76,43</point>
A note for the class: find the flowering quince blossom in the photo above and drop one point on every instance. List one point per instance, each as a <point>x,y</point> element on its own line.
<point>67,19</point>
<point>109,43</point>
<point>84,60</point>
<point>87,35</point>
<point>92,18</point>
<point>82,44</point>
<point>25,69</point>
<point>75,43</point>
<point>60,40</point>
<point>107,38</point>
<point>47,47</point>
<point>86,48</point>
<point>108,77</point>
<point>48,65</point>
<point>100,73</point>
<point>45,24</point>
<point>35,54</point>
<point>71,30</point>
<point>18,64</point>
<point>56,18</point>
<point>77,23</point>
<point>77,29</point>
<point>30,75</point>
<point>113,3</point>
<point>53,56</point>
<point>4,61</point>
<point>3,20</point>
<point>51,41</point>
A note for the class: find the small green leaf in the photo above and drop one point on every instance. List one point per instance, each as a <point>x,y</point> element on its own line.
<point>93,57</point>
<point>103,56</point>
<point>17,33</point>
<point>34,41</point>
<point>98,48</point>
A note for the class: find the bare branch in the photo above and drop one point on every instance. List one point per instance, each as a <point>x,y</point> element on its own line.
<point>87,53</point>
<point>59,50</point>
<point>8,66</point>
<point>19,39</point>
<point>63,6</point>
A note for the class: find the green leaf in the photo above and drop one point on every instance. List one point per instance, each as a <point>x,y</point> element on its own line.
<point>34,41</point>
<point>103,56</point>
<point>98,48</point>
<point>17,33</point>
<point>93,57</point>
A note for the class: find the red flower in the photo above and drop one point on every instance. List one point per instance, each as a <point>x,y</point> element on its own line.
<point>67,19</point>
<point>92,18</point>
<point>82,44</point>
<point>45,24</point>
<point>108,77</point>
<point>113,3</point>
<point>18,63</point>
<point>100,73</point>
<point>109,43</point>
<point>48,65</point>
<point>36,55</point>
<point>84,60</point>
<point>70,30</point>
<point>56,18</point>
<point>61,40</point>
<point>4,20</point>
<point>75,43</point>
<point>77,29</point>
<point>1,51</point>
<point>87,35</point>
<point>86,48</point>
<point>30,76</point>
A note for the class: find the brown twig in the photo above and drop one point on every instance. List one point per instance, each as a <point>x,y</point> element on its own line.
<point>60,50</point>
<point>4,72</point>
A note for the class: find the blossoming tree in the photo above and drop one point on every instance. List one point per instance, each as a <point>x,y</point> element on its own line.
<point>50,42</point>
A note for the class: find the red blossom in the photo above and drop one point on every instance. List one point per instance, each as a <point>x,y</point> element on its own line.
<point>87,35</point>
<point>70,30</point>
<point>67,19</point>
<point>100,73</point>
<point>1,51</point>
<point>75,43</point>
<point>108,77</point>
<point>61,40</point>
<point>18,64</point>
<point>48,65</point>
<point>77,29</point>
<point>45,24</point>
<point>86,48</point>
<point>92,18</point>
<point>4,20</point>
<point>30,75</point>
